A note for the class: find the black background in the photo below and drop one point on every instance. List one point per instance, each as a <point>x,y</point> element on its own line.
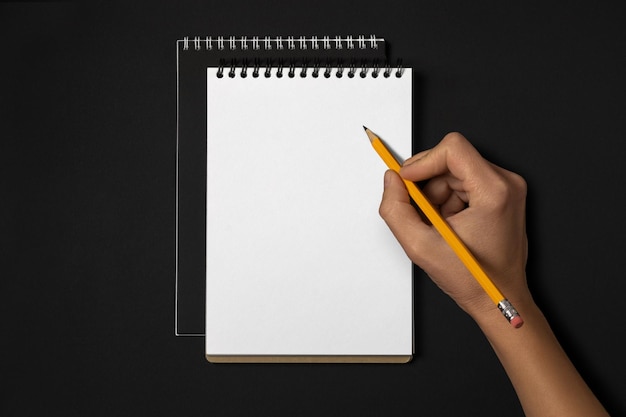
<point>88,146</point>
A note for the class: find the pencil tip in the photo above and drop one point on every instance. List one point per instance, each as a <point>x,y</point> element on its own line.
<point>371,136</point>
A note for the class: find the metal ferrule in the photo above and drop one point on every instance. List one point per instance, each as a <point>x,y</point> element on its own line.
<point>507,309</point>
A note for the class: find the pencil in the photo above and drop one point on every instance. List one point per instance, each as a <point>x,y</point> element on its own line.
<point>449,235</point>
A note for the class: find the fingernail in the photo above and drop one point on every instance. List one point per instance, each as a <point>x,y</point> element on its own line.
<point>387,177</point>
<point>411,161</point>
<point>417,157</point>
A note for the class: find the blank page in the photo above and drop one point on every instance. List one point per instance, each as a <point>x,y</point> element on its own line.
<point>298,260</point>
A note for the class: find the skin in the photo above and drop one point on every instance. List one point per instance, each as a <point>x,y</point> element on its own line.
<point>485,205</point>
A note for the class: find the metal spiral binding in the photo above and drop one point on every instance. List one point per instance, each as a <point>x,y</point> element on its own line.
<point>374,71</point>
<point>292,43</point>
<point>316,69</point>
<point>291,68</point>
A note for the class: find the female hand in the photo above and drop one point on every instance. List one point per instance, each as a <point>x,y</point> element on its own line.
<point>483,203</point>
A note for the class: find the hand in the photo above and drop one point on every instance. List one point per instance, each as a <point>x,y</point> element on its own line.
<point>483,203</point>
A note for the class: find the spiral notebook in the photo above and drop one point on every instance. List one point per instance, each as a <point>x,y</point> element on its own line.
<point>299,267</point>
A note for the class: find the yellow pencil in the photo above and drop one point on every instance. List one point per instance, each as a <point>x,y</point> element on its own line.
<point>449,235</point>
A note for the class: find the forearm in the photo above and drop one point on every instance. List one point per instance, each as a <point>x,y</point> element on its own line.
<point>485,205</point>
<point>544,378</point>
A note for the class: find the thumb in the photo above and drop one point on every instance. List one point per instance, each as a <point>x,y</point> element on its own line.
<point>415,236</point>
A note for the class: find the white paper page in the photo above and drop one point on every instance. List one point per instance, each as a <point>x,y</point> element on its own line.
<point>298,260</point>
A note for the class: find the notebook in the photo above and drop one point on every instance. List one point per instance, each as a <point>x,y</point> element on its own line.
<point>299,265</point>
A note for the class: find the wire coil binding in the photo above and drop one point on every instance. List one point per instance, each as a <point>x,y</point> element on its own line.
<point>297,56</point>
<point>304,69</point>
<point>268,43</point>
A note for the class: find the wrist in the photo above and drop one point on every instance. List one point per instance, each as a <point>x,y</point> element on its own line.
<point>494,325</point>
<point>488,316</point>
<point>541,373</point>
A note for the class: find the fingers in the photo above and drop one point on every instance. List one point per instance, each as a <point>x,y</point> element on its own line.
<point>414,235</point>
<point>416,157</point>
<point>483,203</point>
<point>471,176</point>
<point>452,206</point>
<point>446,193</point>
<point>454,154</point>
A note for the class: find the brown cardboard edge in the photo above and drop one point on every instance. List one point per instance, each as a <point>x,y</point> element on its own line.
<point>309,359</point>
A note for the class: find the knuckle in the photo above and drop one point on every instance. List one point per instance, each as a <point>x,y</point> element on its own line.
<point>386,209</point>
<point>506,189</point>
<point>454,139</point>
<point>516,187</point>
<point>520,184</point>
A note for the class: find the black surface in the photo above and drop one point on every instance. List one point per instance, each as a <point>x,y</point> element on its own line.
<point>87,104</point>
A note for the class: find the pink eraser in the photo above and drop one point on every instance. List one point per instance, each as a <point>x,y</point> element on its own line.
<point>517,322</point>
